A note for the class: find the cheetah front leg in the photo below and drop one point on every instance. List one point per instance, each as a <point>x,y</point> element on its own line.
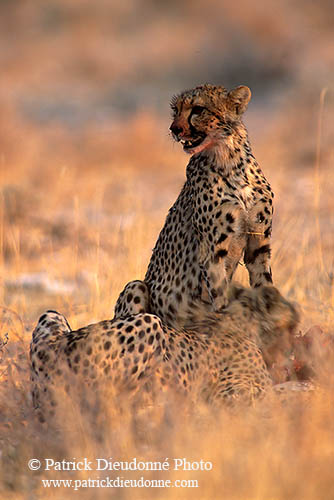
<point>220,254</point>
<point>258,251</point>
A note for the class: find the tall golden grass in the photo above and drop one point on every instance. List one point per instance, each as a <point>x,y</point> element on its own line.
<point>76,225</point>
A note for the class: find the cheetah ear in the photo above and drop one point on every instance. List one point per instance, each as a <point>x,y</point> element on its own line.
<point>238,99</point>
<point>270,295</point>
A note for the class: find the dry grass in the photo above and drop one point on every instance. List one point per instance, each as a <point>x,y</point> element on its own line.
<point>83,197</point>
<point>89,227</point>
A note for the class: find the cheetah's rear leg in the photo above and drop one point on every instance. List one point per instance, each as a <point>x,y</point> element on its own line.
<point>51,325</point>
<point>50,328</point>
<point>134,299</point>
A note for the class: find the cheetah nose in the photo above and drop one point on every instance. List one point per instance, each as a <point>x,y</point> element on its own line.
<point>176,130</point>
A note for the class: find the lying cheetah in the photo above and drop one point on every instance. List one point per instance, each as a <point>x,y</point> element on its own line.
<point>223,355</point>
<point>223,213</point>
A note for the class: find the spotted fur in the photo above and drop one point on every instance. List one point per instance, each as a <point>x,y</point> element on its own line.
<point>223,214</point>
<point>221,356</point>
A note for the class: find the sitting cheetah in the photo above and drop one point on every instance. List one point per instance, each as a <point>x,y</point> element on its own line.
<point>223,213</point>
<point>222,355</point>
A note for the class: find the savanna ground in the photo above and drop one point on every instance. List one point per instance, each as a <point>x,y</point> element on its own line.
<point>83,198</point>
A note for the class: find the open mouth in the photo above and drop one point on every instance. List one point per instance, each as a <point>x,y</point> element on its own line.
<point>192,143</point>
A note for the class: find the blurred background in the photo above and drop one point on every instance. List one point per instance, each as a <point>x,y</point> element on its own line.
<point>88,171</point>
<point>85,154</point>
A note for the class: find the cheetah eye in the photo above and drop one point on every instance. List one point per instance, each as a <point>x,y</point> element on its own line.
<point>197,110</point>
<point>173,111</point>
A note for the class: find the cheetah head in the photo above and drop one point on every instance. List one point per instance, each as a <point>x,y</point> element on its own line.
<point>207,115</point>
<point>272,322</point>
<point>272,311</point>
